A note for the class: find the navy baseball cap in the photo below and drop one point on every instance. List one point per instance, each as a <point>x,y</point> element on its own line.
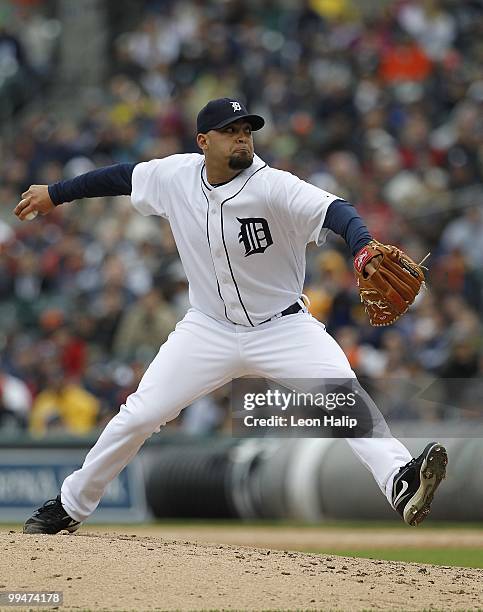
<point>222,111</point>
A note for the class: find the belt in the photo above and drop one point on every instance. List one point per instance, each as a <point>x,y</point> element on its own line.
<point>293,309</point>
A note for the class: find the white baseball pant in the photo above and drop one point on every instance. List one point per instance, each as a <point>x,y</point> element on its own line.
<point>201,355</point>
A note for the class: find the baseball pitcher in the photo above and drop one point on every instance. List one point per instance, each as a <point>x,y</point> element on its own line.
<point>241,228</point>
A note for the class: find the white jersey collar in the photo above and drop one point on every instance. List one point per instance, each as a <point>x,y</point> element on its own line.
<point>237,182</point>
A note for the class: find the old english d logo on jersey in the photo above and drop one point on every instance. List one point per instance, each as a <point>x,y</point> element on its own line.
<point>255,235</point>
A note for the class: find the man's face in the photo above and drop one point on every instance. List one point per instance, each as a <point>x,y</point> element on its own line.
<point>232,144</point>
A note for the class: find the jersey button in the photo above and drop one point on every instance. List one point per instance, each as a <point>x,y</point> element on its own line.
<point>213,211</point>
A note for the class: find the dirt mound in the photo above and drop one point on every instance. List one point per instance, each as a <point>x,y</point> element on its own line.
<point>309,538</point>
<point>111,571</point>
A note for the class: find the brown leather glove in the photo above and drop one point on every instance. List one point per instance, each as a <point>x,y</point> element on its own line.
<point>388,291</point>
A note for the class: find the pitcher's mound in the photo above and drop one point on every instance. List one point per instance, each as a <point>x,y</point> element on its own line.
<point>110,571</point>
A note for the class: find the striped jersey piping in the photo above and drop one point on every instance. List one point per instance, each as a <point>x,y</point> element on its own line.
<point>224,244</point>
<point>210,187</point>
<point>203,180</point>
<point>211,255</point>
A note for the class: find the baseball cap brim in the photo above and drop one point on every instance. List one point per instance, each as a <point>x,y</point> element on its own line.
<point>255,121</point>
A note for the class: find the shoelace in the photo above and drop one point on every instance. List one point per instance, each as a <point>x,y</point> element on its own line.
<point>53,507</point>
<point>408,465</point>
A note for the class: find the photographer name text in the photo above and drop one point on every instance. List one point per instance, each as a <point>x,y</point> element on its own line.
<point>291,421</point>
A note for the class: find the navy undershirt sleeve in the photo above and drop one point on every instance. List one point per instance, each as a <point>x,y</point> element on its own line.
<point>343,219</point>
<point>109,181</point>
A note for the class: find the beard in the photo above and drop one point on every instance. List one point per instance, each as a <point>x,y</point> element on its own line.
<point>240,161</point>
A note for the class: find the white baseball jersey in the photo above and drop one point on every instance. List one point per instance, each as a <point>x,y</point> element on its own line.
<point>242,244</point>
<point>243,249</point>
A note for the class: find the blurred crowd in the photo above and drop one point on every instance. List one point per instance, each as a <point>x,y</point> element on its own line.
<point>29,35</point>
<point>383,107</point>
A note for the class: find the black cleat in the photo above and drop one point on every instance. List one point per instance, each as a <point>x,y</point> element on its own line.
<point>415,483</point>
<point>50,518</point>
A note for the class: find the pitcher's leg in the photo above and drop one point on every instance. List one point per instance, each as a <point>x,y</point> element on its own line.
<point>305,350</point>
<point>383,457</point>
<point>195,360</point>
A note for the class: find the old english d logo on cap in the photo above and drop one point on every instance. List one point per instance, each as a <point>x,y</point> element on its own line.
<point>223,111</point>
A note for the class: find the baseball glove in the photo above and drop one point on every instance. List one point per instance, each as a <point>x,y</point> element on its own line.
<point>389,291</point>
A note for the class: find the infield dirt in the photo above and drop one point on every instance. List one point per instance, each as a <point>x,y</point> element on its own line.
<point>116,571</point>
